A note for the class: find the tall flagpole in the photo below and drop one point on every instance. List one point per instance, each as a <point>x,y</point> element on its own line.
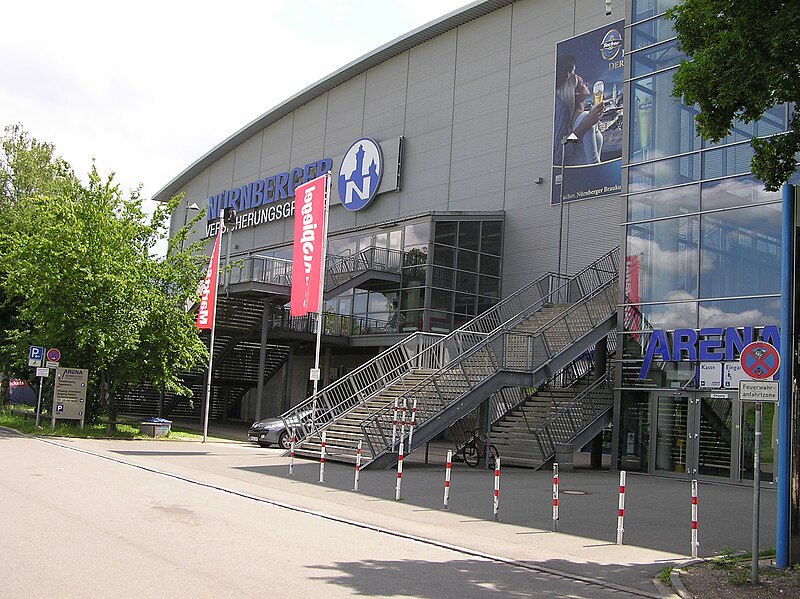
<point>321,292</point>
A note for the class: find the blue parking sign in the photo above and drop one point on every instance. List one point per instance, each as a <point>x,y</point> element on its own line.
<point>35,355</point>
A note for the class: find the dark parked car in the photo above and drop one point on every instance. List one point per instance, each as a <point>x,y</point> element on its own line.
<point>271,431</point>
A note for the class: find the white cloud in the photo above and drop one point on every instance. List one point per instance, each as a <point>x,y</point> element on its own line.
<point>149,87</point>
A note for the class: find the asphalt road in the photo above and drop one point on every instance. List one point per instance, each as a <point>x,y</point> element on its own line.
<point>127,519</point>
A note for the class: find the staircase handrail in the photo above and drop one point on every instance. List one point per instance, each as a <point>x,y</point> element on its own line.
<point>532,346</point>
<point>572,417</point>
<point>391,365</point>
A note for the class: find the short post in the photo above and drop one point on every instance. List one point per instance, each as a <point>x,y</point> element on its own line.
<point>322,460</point>
<point>695,543</point>
<point>399,471</point>
<point>447,470</point>
<point>411,427</point>
<point>496,488</point>
<point>394,423</point>
<point>621,510</point>
<point>291,453</point>
<point>756,493</point>
<point>358,465</point>
<point>555,497</point>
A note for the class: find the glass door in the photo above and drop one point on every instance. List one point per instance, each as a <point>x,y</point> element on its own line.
<point>769,430</point>
<point>672,435</point>
<point>715,421</point>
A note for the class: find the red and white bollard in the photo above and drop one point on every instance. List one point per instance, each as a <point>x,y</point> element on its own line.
<point>394,423</point>
<point>411,428</point>
<point>291,453</point>
<point>448,468</point>
<point>358,466</point>
<point>555,497</point>
<point>403,419</point>
<point>496,488</point>
<point>322,460</point>
<point>399,471</point>
<point>695,543</point>
<point>621,509</point>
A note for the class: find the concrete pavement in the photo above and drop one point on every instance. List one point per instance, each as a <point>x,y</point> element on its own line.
<point>657,517</point>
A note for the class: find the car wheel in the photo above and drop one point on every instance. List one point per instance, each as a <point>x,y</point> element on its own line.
<point>284,441</point>
<point>263,444</point>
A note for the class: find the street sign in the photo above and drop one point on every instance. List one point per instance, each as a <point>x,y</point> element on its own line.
<point>35,355</point>
<point>760,360</point>
<point>53,354</point>
<point>69,394</point>
<point>43,372</point>
<point>763,391</point>
<point>50,364</point>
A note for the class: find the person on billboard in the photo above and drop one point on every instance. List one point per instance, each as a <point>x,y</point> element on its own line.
<point>570,117</point>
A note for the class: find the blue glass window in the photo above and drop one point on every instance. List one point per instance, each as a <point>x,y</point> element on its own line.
<point>650,33</point>
<point>728,160</point>
<point>661,125</point>
<point>662,257</point>
<point>643,9</point>
<point>667,202</point>
<point>656,58</point>
<point>738,191</point>
<point>664,173</point>
<point>755,312</point>
<point>740,252</point>
<point>773,121</point>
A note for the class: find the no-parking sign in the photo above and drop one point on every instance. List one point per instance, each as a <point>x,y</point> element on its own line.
<point>760,360</point>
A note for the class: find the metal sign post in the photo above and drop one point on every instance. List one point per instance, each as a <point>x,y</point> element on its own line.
<point>760,392</point>
<point>42,373</point>
<point>756,493</point>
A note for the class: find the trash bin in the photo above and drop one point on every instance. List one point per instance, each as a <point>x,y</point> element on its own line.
<point>155,427</point>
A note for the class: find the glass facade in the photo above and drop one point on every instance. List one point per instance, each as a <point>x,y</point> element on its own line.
<point>702,249</point>
<point>450,272</point>
<point>702,235</point>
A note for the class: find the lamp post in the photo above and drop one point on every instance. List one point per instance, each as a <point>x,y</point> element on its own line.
<point>567,139</point>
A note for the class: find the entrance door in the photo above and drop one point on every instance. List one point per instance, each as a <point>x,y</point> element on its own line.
<point>694,435</point>
<point>715,421</point>
<point>672,435</point>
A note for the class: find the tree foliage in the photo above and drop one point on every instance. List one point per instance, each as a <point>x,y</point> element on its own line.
<point>745,59</point>
<point>78,270</point>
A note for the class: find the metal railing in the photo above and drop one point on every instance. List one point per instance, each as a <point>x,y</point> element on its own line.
<point>338,269</point>
<point>502,350</point>
<point>573,418</point>
<point>439,352</point>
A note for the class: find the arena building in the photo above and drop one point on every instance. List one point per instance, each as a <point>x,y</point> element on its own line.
<point>489,269</point>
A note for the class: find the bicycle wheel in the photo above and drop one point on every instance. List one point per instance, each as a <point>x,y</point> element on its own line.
<point>493,454</point>
<point>470,453</point>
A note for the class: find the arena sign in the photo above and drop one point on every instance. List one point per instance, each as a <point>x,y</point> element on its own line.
<point>272,195</point>
<point>711,344</point>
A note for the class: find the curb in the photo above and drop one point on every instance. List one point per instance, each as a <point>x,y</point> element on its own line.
<point>677,584</point>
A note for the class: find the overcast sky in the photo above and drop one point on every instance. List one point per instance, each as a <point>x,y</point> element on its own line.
<point>146,88</point>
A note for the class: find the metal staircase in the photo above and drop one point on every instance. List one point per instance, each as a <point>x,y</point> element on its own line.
<point>522,341</point>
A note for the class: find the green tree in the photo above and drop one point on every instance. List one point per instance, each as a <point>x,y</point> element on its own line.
<point>745,58</point>
<point>77,261</point>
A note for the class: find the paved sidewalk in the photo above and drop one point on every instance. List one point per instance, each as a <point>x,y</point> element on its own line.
<point>657,514</point>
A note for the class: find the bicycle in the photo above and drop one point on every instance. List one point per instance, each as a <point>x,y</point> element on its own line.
<point>475,450</point>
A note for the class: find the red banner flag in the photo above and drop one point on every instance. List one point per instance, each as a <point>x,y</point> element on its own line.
<point>208,290</point>
<point>307,252</point>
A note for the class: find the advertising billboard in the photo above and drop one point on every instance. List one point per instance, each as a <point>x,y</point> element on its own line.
<point>588,104</point>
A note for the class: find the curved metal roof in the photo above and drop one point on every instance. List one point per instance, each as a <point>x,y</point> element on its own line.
<point>383,53</point>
